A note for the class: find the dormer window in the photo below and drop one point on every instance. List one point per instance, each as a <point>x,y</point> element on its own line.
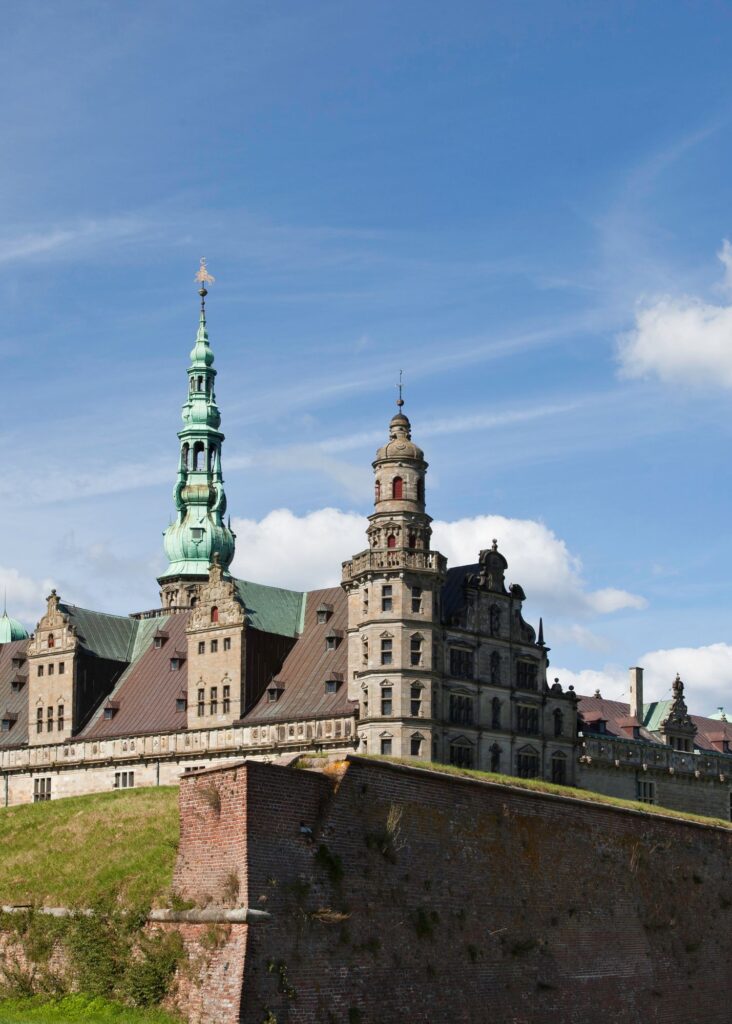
<point>181,701</point>
<point>110,710</point>
<point>274,693</point>
<point>323,612</point>
<point>8,721</point>
<point>18,662</point>
<point>331,686</point>
<point>332,639</point>
<point>176,662</point>
<point>159,638</point>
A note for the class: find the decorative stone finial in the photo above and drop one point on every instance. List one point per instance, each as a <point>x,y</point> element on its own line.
<point>495,545</point>
<point>400,400</point>
<point>203,277</point>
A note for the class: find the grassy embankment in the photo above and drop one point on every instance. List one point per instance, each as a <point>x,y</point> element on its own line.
<point>116,849</point>
<point>539,786</point>
<point>71,853</point>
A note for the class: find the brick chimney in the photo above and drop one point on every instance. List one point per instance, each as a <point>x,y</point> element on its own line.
<point>636,694</point>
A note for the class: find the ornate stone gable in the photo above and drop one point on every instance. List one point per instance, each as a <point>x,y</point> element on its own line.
<point>678,718</point>
<point>218,602</point>
<point>54,632</point>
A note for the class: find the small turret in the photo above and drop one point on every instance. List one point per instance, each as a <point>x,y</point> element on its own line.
<point>199,531</point>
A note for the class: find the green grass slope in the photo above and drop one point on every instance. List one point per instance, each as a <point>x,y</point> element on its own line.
<point>67,853</point>
<point>77,1009</point>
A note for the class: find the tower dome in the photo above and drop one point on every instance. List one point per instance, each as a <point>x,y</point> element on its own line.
<point>11,629</point>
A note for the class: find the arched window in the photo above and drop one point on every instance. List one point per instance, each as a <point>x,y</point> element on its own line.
<point>199,384</point>
<point>377,491</point>
<point>559,769</point>
<point>558,722</point>
<point>397,488</point>
<point>412,540</point>
<point>391,541</point>
<point>184,455</point>
<point>194,602</point>
<point>211,458</point>
<point>51,641</point>
<point>420,489</point>
<point>198,455</point>
<point>214,614</point>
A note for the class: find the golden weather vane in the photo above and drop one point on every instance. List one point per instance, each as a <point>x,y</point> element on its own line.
<point>203,276</point>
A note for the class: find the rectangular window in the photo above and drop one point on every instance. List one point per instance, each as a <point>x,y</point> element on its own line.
<point>559,769</point>
<point>61,668</point>
<point>415,651</point>
<point>461,755</point>
<point>527,720</point>
<point>415,701</point>
<point>214,700</point>
<point>49,719</point>
<point>386,652</point>
<point>174,664</point>
<point>461,709</point>
<point>461,663</point>
<point>330,643</point>
<point>227,643</point>
<point>214,646</point>
<point>366,601</point>
<point>385,746</point>
<point>60,718</point>
<point>527,673</point>
<point>386,599</point>
<point>646,791</point>
<point>181,704</point>
<point>50,669</point>
<point>124,780</point>
<point>201,646</point>
<point>415,746</point>
<point>227,700</point>
<point>386,700</point>
<point>201,703</point>
<point>416,600</point>
<point>527,764</point>
<point>40,670</point>
<point>39,720</point>
<point>41,790</point>
<point>331,686</point>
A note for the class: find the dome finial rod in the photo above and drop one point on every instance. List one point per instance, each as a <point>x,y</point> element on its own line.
<point>400,386</point>
<point>203,277</point>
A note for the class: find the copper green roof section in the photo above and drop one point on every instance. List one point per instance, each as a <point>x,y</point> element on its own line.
<point>11,629</point>
<point>107,636</point>
<point>654,714</point>
<point>273,609</point>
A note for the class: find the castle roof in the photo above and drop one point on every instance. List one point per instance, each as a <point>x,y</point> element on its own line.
<point>272,609</point>
<point>11,629</point>
<point>710,732</point>
<point>14,698</point>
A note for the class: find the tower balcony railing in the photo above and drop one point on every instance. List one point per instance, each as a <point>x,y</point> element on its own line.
<point>393,558</point>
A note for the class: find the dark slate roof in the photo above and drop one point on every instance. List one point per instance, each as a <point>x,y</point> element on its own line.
<point>309,664</point>
<point>615,713</point>
<point>147,690</point>
<point>107,636</point>
<point>453,595</point>
<point>15,703</point>
<point>272,609</point>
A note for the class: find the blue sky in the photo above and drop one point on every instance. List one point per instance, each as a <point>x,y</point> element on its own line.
<point>523,205</point>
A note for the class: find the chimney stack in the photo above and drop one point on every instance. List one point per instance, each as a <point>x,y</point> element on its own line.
<point>636,694</point>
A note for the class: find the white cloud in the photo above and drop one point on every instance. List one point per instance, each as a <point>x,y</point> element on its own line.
<point>24,597</point>
<point>306,552</point>
<point>682,339</point>
<point>706,672</point>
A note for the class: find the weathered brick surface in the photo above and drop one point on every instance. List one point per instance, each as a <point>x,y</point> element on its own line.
<point>427,898</point>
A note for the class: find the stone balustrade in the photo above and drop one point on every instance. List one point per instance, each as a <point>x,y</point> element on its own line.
<point>393,558</point>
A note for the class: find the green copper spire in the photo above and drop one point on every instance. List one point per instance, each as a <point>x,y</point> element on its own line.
<point>199,531</point>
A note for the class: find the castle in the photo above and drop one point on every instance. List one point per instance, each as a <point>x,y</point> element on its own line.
<point>407,658</point>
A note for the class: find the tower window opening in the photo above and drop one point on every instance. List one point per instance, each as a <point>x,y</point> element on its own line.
<point>386,652</point>
<point>184,455</point>
<point>199,384</point>
<point>391,541</point>
<point>386,598</point>
<point>49,719</point>
<point>415,651</point>
<point>377,491</point>
<point>198,455</point>
<point>214,700</point>
<point>415,701</point>
<point>211,458</point>
<point>214,614</point>
<point>386,701</point>
<point>39,720</point>
<point>416,599</point>
<point>51,640</point>
<point>227,700</point>
<point>397,488</point>
<point>420,490</point>
<point>412,540</point>
<point>201,703</point>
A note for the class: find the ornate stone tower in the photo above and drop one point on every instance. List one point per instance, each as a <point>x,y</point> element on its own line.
<point>393,607</point>
<point>199,530</point>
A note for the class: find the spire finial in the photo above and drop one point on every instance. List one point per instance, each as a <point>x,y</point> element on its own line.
<point>203,277</point>
<point>400,385</point>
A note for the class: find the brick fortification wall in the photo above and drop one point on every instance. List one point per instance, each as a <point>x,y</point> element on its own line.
<point>428,898</point>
